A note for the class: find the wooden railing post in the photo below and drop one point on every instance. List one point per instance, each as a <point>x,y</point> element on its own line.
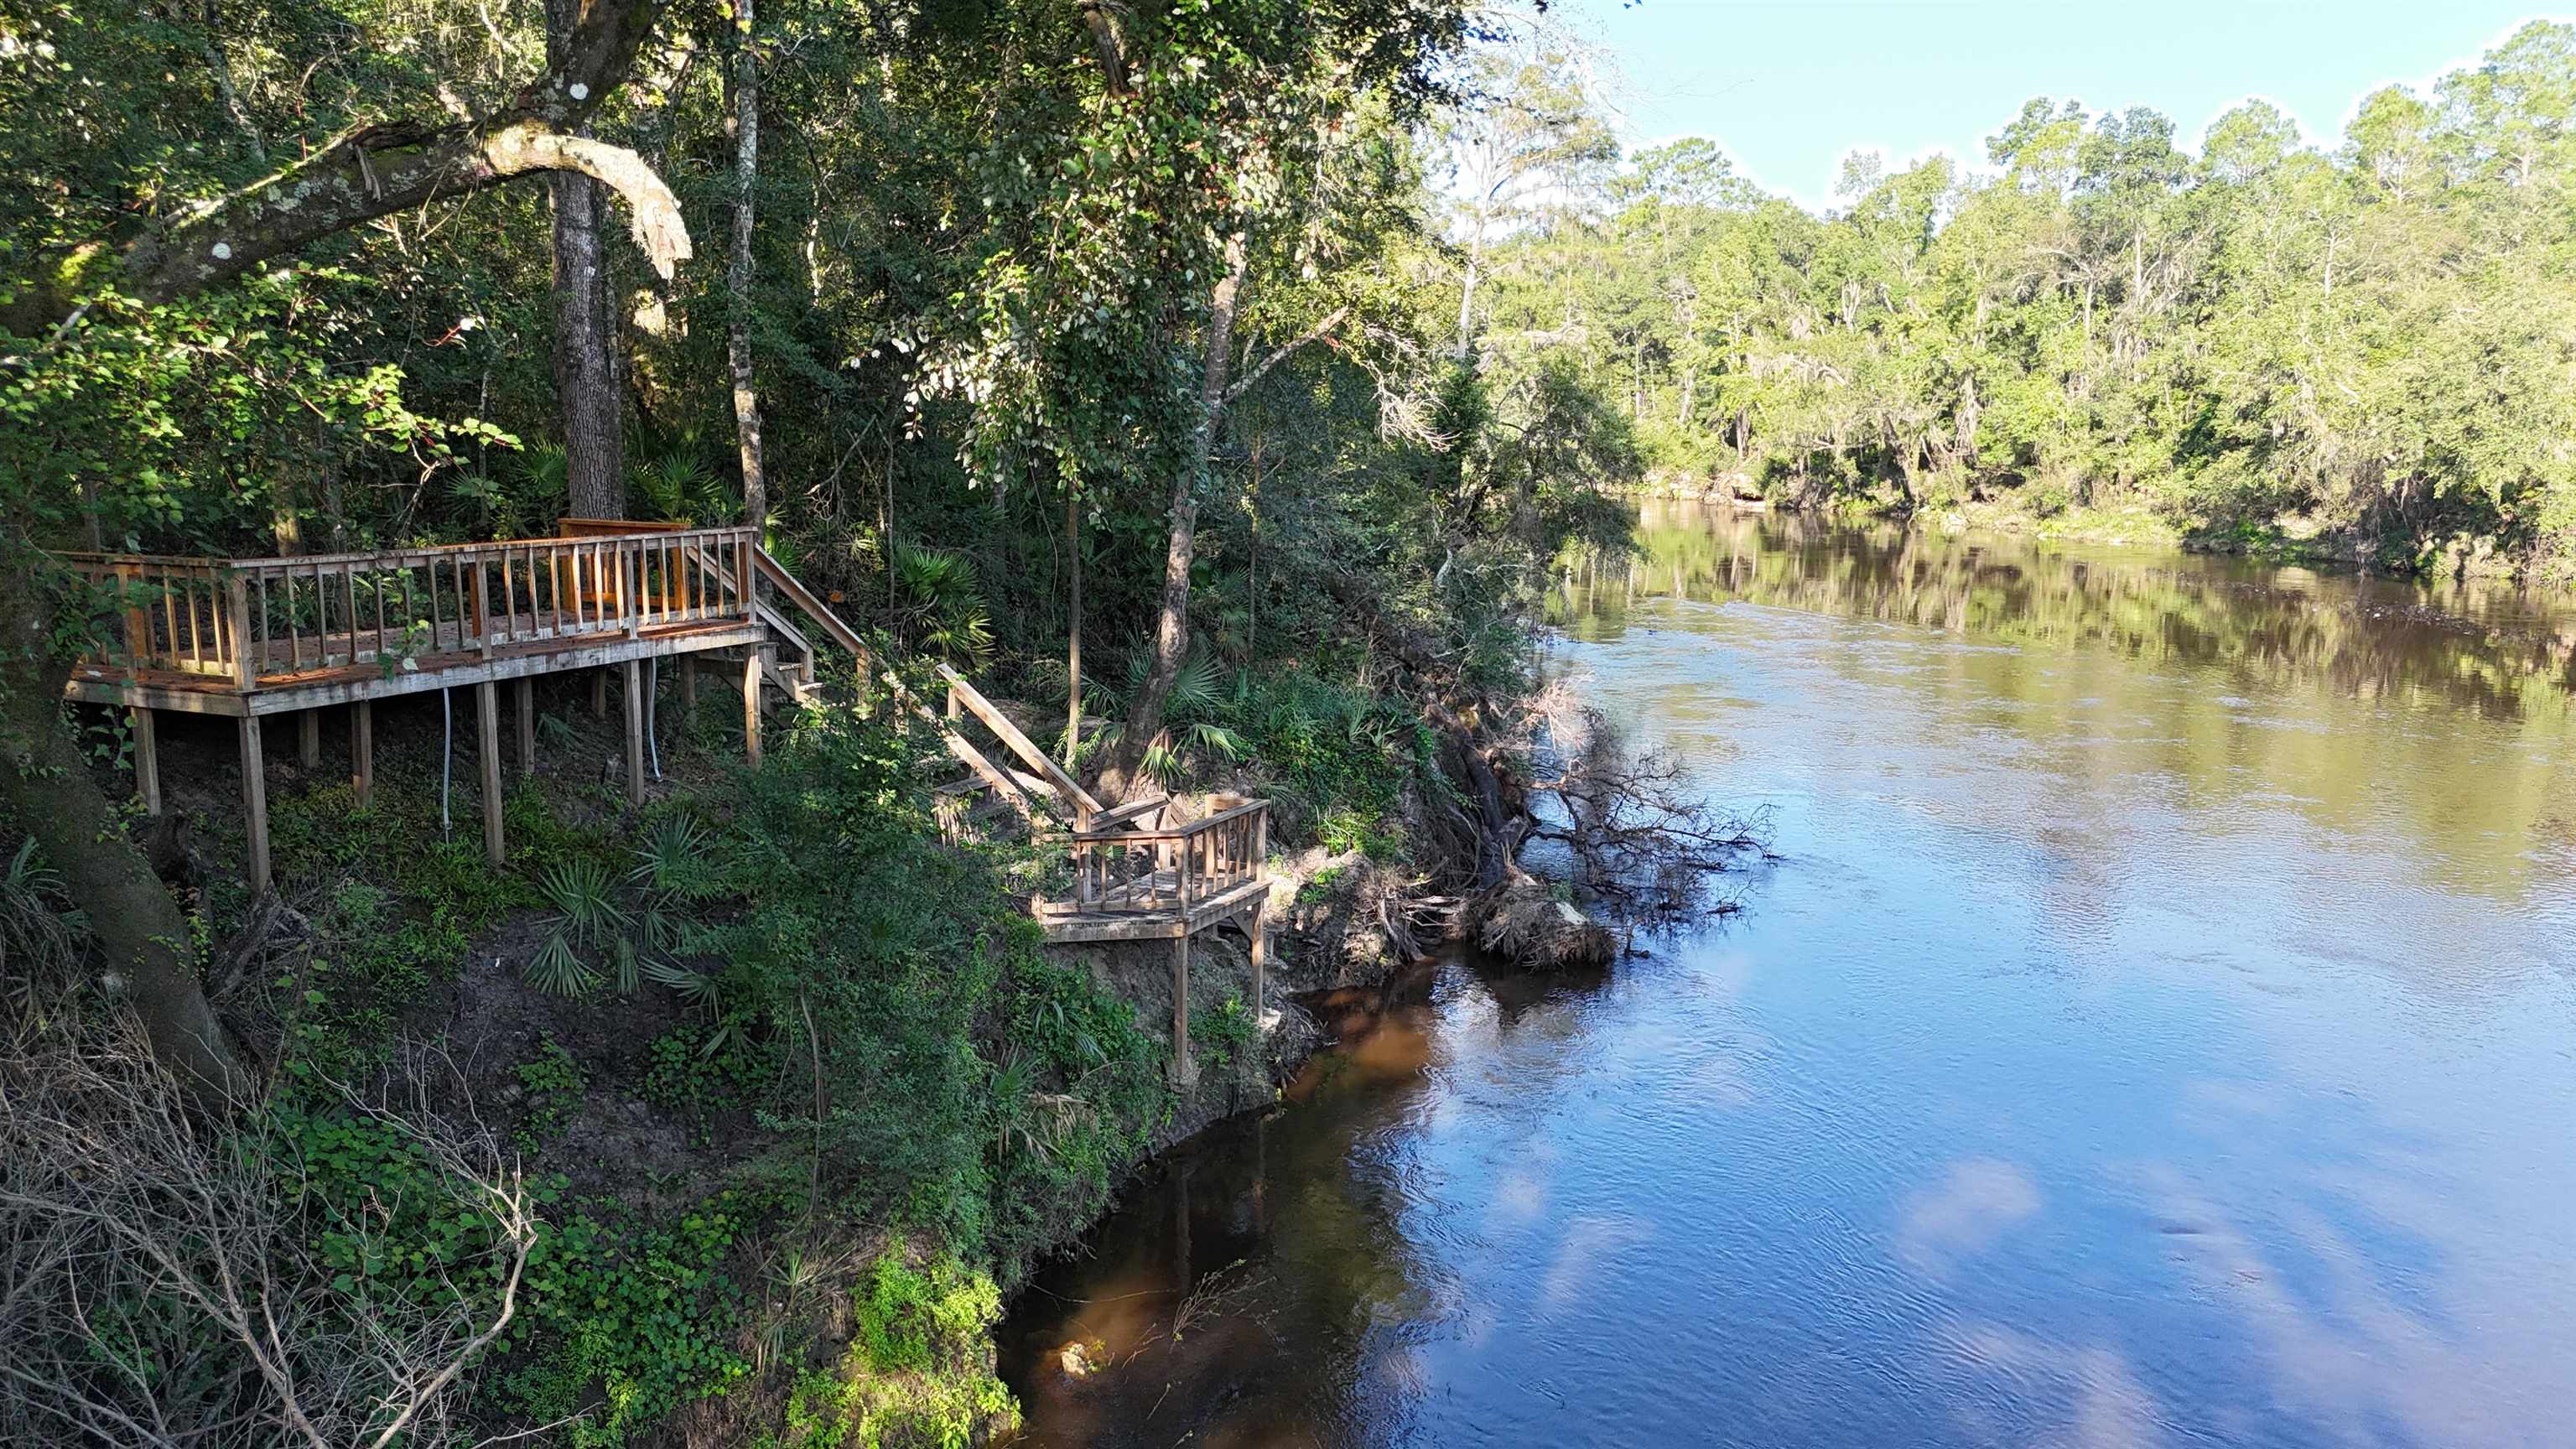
<point>639,596</point>
<point>138,627</point>
<point>237,612</point>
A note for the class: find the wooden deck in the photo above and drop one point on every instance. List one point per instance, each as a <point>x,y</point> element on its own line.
<point>444,663</point>
<point>263,635</point>
<point>255,638</point>
<point>1135,879</point>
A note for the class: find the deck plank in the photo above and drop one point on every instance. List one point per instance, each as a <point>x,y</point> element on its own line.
<point>315,687</point>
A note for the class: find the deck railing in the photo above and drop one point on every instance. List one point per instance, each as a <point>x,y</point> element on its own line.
<point>1167,872</point>
<point>258,619</point>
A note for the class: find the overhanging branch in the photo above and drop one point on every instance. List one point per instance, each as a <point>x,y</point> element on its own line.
<point>379,168</point>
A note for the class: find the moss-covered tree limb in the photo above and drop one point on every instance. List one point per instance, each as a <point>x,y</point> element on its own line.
<point>378,168</point>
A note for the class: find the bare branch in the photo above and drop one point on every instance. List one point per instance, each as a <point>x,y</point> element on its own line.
<point>1636,828</point>
<point>164,1280</point>
<point>1244,383</point>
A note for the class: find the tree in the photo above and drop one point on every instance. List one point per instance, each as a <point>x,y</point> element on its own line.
<point>1527,134</point>
<point>375,168</point>
<point>745,121</point>
<point>2347,342</point>
<point>591,392</point>
<point>1209,127</point>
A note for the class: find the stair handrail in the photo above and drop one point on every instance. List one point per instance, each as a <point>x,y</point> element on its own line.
<point>1067,789</point>
<point>1085,805</point>
<point>803,598</point>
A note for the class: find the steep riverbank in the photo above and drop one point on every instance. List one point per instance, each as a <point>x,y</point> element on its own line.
<point>803,1094</point>
<point>1326,935</point>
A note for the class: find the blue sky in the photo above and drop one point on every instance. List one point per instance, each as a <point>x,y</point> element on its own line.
<point>1789,88</point>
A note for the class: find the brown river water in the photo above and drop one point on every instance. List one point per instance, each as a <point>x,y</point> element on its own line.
<point>2159,1029</point>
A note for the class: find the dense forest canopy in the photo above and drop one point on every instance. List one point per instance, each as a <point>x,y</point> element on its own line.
<point>2370,339</point>
<point>971,269</point>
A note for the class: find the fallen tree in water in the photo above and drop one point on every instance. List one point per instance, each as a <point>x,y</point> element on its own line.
<point>1628,827</point>
<point>1637,830</point>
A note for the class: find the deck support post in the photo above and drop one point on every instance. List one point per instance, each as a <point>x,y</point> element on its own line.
<point>1185,1070</point>
<point>634,689</point>
<point>599,694</point>
<point>1260,935</point>
<point>751,707</point>
<point>362,750</point>
<point>524,705</point>
<point>487,741</point>
<point>255,803</point>
<point>688,685</point>
<point>147,760</point>
<point>308,748</point>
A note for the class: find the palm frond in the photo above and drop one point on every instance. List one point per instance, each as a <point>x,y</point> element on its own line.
<point>1217,740</point>
<point>1163,762</point>
<point>580,893</point>
<point>676,486</point>
<point>673,857</point>
<point>558,968</point>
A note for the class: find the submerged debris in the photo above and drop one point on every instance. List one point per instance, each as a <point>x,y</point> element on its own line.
<point>1527,922</point>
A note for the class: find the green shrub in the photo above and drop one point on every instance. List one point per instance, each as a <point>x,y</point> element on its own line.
<point>628,1321</point>
<point>698,1069</point>
<point>919,1370</point>
<point>385,1219</point>
<point>1225,1033</point>
<point>553,1082</point>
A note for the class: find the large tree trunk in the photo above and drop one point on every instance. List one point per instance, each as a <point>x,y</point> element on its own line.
<point>1172,626</point>
<point>586,381</point>
<point>46,791</point>
<point>746,175</point>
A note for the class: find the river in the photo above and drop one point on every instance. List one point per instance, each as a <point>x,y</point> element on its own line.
<point>2159,1029</point>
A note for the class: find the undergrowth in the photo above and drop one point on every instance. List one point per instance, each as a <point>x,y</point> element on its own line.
<point>869,1048</point>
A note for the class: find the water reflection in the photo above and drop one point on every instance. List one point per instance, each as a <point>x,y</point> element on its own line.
<point>1257,1285</point>
<point>2158,1035</point>
<point>2212,679</point>
<point>2486,646</point>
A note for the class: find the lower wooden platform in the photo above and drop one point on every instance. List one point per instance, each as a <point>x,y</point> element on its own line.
<point>1113,918</point>
<point>1102,920</point>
